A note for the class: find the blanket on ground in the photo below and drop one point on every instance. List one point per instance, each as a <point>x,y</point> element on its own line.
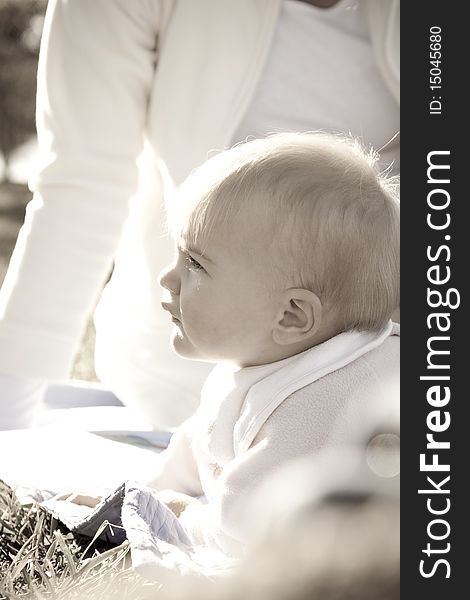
<point>159,544</point>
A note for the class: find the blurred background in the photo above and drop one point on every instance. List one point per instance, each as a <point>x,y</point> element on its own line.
<point>21,23</point>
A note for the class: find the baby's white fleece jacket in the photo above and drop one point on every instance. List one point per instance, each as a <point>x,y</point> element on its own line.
<point>251,421</point>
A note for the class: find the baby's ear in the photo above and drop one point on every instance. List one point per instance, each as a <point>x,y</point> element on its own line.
<point>299,317</point>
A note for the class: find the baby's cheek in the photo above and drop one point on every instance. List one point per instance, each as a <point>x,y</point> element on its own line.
<point>209,325</point>
<point>195,313</point>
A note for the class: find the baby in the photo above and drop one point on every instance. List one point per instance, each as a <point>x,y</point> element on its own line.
<point>286,275</point>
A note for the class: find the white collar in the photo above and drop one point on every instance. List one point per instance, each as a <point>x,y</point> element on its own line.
<point>267,394</point>
<point>235,403</point>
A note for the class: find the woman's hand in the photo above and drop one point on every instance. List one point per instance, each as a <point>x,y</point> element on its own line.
<point>176,501</point>
<point>79,498</point>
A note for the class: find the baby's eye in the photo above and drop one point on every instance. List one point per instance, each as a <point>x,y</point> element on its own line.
<point>193,264</point>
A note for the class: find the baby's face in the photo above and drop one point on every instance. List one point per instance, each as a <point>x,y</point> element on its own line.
<point>220,299</point>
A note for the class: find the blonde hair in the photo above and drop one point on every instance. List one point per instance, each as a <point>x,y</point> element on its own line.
<point>332,219</point>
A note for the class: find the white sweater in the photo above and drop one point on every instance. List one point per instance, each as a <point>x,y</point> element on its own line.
<point>98,91</point>
<point>253,420</point>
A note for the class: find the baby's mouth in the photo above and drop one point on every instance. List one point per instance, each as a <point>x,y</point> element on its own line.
<point>174,318</point>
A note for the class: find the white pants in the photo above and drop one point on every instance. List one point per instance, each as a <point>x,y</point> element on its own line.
<point>133,357</point>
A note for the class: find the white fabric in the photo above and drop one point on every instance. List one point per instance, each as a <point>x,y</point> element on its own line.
<point>159,545</point>
<point>215,453</point>
<point>321,73</point>
<point>98,91</point>
<point>58,459</point>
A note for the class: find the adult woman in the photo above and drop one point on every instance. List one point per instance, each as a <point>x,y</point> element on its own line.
<point>194,76</point>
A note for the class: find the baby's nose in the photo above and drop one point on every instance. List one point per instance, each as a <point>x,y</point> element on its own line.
<point>169,280</point>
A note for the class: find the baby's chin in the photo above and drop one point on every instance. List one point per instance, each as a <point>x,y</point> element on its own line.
<point>209,352</point>
<point>183,347</point>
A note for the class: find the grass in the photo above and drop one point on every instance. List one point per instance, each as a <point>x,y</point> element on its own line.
<point>39,558</point>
